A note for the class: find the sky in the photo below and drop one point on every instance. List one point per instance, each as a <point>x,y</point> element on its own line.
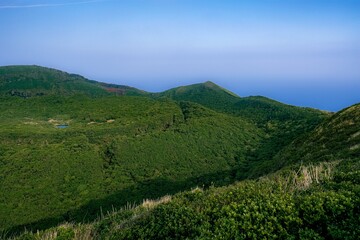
<point>300,52</point>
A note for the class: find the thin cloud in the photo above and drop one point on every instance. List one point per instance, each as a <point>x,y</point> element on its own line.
<point>49,4</point>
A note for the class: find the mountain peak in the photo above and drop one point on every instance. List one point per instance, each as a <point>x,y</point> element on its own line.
<point>210,84</point>
<point>207,93</point>
<point>214,86</point>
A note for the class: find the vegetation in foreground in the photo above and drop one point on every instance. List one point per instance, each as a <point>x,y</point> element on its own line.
<point>312,202</point>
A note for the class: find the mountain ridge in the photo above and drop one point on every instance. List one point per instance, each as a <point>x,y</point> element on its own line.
<point>123,144</point>
<point>21,86</point>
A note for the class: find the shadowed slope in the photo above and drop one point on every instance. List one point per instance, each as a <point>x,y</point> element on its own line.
<point>337,138</point>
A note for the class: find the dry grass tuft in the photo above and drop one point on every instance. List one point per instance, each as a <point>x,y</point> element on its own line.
<point>143,210</point>
<point>308,175</point>
<point>149,204</point>
<point>197,189</point>
<point>305,177</point>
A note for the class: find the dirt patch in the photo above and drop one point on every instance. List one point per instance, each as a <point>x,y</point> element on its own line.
<point>31,123</point>
<point>52,120</point>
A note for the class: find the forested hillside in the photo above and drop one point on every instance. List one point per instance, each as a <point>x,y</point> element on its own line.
<point>314,199</point>
<point>29,81</point>
<point>72,149</point>
<point>280,122</point>
<point>336,138</point>
<point>123,152</point>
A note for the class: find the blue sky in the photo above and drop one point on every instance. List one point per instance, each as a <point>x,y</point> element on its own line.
<point>301,52</point>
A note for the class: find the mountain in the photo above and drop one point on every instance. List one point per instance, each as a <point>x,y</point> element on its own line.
<point>207,94</point>
<point>72,149</point>
<point>256,108</point>
<point>30,81</point>
<point>110,149</point>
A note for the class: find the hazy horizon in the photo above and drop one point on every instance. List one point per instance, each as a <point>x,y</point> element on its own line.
<point>305,53</point>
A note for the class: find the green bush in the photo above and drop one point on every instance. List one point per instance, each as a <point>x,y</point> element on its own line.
<point>329,213</point>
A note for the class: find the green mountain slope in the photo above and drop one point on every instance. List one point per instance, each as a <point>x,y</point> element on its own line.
<point>115,150</point>
<point>31,81</point>
<point>282,123</point>
<point>119,144</point>
<point>336,138</point>
<point>122,89</point>
<point>262,110</point>
<point>259,109</point>
<point>316,200</point>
